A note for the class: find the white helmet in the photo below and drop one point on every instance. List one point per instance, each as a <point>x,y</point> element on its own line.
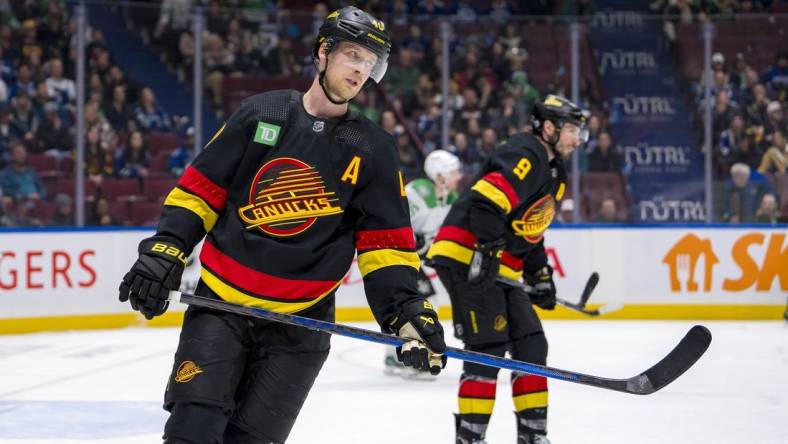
<point>441,162</point>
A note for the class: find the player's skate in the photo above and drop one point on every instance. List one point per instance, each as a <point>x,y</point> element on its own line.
<point>532,439</point>
<point>468,433</point>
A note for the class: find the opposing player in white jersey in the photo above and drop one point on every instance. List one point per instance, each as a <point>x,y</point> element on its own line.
<point>429,201</point>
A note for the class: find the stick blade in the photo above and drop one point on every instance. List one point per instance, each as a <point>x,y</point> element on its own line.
<point>679,360</point>
<point>593,280</point>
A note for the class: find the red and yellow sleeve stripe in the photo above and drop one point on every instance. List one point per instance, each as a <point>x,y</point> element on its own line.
<point>498,190</point>
<point>386,248</point>
<point>200,195</point>
<point>457,244</point>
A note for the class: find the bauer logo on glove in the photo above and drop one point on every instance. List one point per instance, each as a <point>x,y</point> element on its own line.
<point>418,323</point>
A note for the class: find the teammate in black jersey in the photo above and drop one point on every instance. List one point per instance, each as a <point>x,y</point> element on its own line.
<point>285,193</point>
<point>497,228</point>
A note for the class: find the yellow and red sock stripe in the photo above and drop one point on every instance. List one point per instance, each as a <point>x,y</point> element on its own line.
<point>498,190</point>
<point>476,396</point>
<point>200,195</point>
<point>529,392</point>
<point>237,283</point>
<point>386,248</point>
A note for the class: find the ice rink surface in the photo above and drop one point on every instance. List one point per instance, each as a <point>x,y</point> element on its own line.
<point>105,387</point>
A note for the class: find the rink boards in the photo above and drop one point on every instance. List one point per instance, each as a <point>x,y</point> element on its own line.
<point>57,280</point>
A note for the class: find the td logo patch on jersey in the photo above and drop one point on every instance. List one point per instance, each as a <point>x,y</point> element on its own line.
<point>267,133</point>
<point>286,198</point>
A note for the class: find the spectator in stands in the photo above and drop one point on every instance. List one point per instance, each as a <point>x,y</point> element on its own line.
<point>133,160</point>
<point>723,111</point>
<point>489,142</point>
<point>604,157</point>
<point>19,214</point>
<point>216,20</point>
<point>52,33</point>
<point>404,76</point>
<point>60,88</point>
<point>99,159</point>
<point>182,156</point>
<point>776,78</point>
<point>608,212</point>
<point>758,104</point>
<point>53,137</point>
<point>23,81</point>
<point>729,139</point>
<point>398,12</point>
<point>94,92</point>
<point>217,62</point>
<point>117,111</point>
<point>775,120</point>
<point>9,43</point>
<point>740,197</point>
<point>174,19</point>
<point>100,214</point>
<point>718,63</point>
<point>149,116</point>
<point>739,74</point>
<point>388,121</point>
<point>93,119</point>
<point>566,214</point>
<point>746,151</point>
<point>23,114</point>
<point>467,154</point>
<point>282,60</point>
<point>10,130</point>
<point>767,212</point>
<point>115,76</point>
<point>775,159</point>
<point>64,211</point>
<point>249,60</point>
<point>31,49</point>
<point>19,181</point>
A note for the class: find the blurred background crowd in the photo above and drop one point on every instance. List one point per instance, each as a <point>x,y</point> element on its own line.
<point>504,56</point>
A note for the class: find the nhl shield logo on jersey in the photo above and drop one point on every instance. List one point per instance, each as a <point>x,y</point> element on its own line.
<point>286,198</point>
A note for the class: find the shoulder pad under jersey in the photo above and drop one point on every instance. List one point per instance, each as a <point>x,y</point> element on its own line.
<point>273,106</point>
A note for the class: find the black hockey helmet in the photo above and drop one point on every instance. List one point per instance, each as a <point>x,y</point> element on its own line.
<point>561,110</point>
<point>354,25</point>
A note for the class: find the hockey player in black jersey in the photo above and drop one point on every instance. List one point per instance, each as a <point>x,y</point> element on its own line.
<point>285,193</point>
<point>497,228</point>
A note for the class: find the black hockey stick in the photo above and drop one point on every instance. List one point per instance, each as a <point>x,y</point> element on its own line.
<point>678,361</point>
<point>581,305</point>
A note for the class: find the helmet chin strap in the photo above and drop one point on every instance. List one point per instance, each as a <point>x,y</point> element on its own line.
<point>551,144</point>
<point>322,81</point>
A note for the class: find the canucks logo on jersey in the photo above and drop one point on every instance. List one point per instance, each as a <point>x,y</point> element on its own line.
<point>286,198</point>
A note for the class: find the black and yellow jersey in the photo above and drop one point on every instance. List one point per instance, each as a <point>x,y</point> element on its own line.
<point>514,198</point>
<point>286,201</point>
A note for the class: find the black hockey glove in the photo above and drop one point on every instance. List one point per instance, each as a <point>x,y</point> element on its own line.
<point>419,322</point>
<point>543,295</point>
<point>485,263</point>
<point>157,271</point>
